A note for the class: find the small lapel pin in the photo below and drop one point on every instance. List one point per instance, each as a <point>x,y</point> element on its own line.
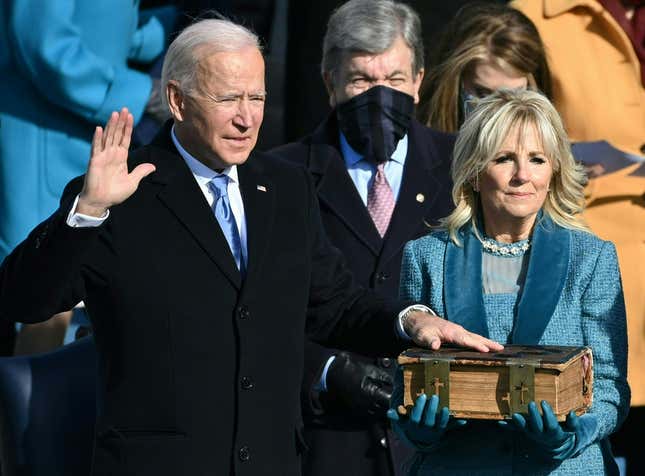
<point>262,188</point>
<point>420,197</point>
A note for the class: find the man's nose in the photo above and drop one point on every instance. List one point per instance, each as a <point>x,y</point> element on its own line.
<point>244,116</point>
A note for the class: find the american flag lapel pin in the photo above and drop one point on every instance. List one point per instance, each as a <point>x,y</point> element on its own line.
<point>262,188</point>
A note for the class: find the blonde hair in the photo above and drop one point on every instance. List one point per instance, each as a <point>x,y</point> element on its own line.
<point>479,32</point>
<point>482,135</point>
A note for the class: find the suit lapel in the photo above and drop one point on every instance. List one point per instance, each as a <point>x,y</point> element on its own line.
<point>545,278</point>
<point>335,187</point>
<point>182,196</point>
<point>258,195</point>
<point>462,284</point>
<point>419,190</point>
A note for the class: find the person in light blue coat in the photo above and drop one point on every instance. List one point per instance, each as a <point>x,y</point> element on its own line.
<point>63,70</point>
<point>516,263</point>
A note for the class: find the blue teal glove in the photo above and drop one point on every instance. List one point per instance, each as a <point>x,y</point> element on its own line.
<point>557,441</point>
<point>424,430</point>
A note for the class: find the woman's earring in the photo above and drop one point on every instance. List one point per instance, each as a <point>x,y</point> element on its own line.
<point>475,184</point>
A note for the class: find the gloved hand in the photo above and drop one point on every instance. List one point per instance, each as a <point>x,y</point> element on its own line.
<point>558,441</point>
<point>423,431</point>
<point>363,388</point>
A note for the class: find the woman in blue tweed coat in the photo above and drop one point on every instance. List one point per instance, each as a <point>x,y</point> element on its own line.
<point>63,70</point>
<point>514,262</point>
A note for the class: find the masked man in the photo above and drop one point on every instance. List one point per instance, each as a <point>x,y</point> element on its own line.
<point>381,178</point>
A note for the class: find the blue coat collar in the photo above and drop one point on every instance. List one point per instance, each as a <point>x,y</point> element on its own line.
<point>546,274</point>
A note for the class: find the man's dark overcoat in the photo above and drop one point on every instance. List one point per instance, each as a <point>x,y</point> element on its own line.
<point>200,370</point>
<point>339,443</point>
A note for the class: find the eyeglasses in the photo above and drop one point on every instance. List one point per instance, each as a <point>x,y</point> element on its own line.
<point>468,102</point>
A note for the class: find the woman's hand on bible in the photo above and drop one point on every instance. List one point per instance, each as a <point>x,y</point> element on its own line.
<point>107,180</point>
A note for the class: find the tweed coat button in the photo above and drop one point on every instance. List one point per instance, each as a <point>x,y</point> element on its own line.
<point>386,362</point>
<point>243,312</point>
<point>244,453</point>
<point>246,383</point>
<point>383,442</point>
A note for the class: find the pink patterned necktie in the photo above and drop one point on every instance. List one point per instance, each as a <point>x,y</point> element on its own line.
<point>380,200</point>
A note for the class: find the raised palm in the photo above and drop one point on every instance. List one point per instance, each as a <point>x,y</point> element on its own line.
<point>107,180</point>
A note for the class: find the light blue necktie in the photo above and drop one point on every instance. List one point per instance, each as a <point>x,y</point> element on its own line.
<point>226,219</point>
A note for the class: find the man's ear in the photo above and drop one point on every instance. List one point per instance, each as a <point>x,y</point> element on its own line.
<point>329,86</point>
<point>175,98</point>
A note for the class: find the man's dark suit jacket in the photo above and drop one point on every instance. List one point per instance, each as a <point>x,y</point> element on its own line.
<point>339,443</point>
<point>200,371</point>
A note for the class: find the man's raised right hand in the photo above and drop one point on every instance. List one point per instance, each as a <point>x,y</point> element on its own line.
<point>107,181</point>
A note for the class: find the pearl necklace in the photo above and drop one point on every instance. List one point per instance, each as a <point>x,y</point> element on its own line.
<point>505,249</point>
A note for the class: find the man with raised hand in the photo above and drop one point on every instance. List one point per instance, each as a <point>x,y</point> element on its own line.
<point>202,272</point>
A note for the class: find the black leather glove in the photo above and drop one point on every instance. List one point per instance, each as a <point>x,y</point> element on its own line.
<point>363,388</point>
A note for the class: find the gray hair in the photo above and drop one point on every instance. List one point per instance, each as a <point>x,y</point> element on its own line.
<point>198,41</point>
<point>481,137</point>
<point>371,26</point>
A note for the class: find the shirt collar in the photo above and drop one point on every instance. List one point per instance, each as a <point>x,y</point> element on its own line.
<point>202,173</point>
<point>352,157</point>
<point>553,8</point>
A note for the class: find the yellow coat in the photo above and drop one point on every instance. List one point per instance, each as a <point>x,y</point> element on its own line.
<point>596,74</point>
<point>616,212</point>
<point>598,92</point>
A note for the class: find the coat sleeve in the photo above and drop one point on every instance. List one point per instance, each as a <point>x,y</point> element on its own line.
<point>340,313</point>
<point>316,356</point>
<point>42,276</point>
<point>155,26</point>
<point>412,279</point>
<point>49,49</point>
<point>605,331</point>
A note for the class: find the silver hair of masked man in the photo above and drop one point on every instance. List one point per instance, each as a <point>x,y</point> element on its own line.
<point>371,26</point>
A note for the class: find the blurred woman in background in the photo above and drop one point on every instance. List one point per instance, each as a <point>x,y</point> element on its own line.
<point>484,48</point>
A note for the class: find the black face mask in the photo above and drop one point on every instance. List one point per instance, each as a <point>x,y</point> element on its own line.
<point>374,121</point>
